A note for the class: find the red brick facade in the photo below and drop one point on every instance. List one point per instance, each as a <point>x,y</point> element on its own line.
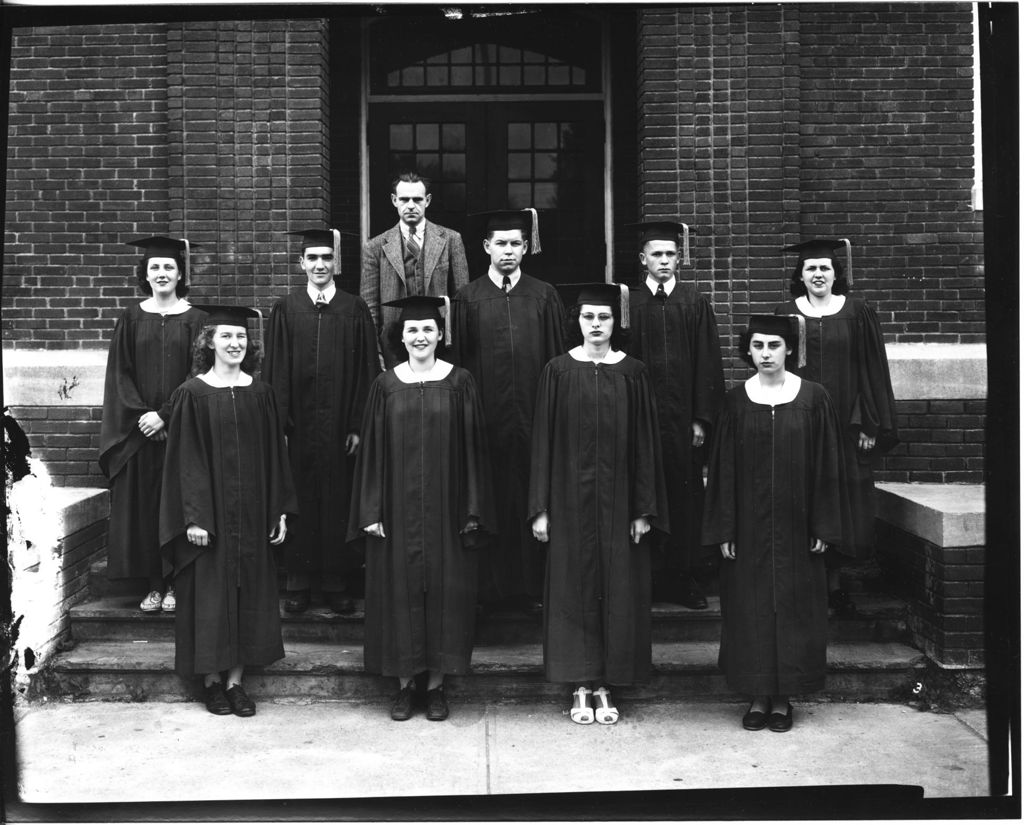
<point>769,124</point>
<point>758,124</point>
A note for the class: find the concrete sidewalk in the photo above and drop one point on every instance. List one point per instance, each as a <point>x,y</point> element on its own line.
<point>96,752</point>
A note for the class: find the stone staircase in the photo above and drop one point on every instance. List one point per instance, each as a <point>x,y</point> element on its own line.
<point>120,654</point>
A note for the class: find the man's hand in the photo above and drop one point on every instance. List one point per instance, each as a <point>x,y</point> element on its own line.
<point>278,534</point>
<point>540,527</point>
<point>197,535</point>
<point>698,433</point>
<point>376,530</point>
<point>728,549</point>
<point>351,443</point>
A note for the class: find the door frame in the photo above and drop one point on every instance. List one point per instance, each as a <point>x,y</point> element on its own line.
<point>605,95</point>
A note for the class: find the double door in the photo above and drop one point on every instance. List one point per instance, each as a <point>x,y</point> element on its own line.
<point>482,156</point>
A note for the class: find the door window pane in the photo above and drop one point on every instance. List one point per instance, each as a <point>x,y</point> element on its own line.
<point>401,137</point>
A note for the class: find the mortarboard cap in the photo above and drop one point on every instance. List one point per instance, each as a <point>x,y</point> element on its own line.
<point>605,294</point>
<point>235,316</point>
<point>790,327</point>
<point>664,231</point>
<point>824,248</point>
<point>524,220</point>
<point>323,237</point>
<point>421,307</point>
<point>160,246</point>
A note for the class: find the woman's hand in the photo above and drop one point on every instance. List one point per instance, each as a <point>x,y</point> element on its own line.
<point>278,534</point>
<point>376,530</point>
<point>471,525</point>
<point>540,527</point>
<point>197,535</point>
<point>865,443</point>
<point>817,545</point>
<point>351,443</point>
<point>638,528</point>
<point>150,424</point>
<point>728,549</point>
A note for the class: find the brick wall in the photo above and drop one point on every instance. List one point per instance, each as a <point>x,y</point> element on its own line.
<point>215,131</point>
<point>87,168</point>
<point>249,150</point>
<point>67,439</point>
<point>765,124</point>
<point>945,586</point>
<point>942,441</point>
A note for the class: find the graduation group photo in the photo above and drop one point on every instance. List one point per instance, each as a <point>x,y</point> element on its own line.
<point>603,380</point>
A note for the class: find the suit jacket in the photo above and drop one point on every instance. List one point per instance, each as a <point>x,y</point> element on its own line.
<point>382,279</point>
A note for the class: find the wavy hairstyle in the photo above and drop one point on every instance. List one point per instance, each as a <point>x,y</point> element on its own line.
<point>397,348</point>
<point>202,353</point>
<point>180,288</point>
<point>574,335</point>
<point>796,282</point>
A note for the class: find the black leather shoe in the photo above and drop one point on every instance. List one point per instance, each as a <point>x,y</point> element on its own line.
<point>341,603</point>
<point>781,722</point>
<point>401,707</point>
<point>296,601</point>
<point>241,704</point>
<point>690,595</point>
<point>755,719</point>
<point>216,701</point>
<point>437,706</point>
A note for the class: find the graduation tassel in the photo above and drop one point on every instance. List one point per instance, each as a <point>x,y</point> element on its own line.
<point>801,347</point>
<point>337,250</point>
<point>686,244</point>
<point>534,231</point>
<point>188,263</point>
<point>849,260</point>
<point>447,321</point>
<point>624,305</point>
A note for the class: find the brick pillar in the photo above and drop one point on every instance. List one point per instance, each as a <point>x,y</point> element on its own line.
<point>248,114</point>
<point>719,145</point>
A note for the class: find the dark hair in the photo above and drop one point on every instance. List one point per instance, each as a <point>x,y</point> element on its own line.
<point>791,339</point>
<point>409,177</point>
<point>398,350</point>
<point>180,288</point>
<point>202,354</point>
<point>796,281</point>
<point>574,335</point>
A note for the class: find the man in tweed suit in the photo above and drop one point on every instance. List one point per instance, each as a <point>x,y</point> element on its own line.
<point>416,257</point>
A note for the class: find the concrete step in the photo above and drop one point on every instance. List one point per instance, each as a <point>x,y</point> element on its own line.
<point>112,618</point>
<point>144,671</point>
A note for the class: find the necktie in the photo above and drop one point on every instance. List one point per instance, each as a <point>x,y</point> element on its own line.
<point>321,301</point>
<point>506,283</point>
<point>661,292</point>
<point>412,244</point>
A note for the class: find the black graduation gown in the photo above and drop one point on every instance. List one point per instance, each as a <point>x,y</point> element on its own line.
<point>150,355</point>
<point>596,466</point>
<point>505,341</point>
<point>422,471</point>
<point>775,481</point>
<point>846,354</point>
<point>227,472</point>
<point>320,363</point>
<point>677,339</point>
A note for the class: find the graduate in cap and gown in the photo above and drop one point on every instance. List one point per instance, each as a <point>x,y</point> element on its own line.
<point>846,354</point>
<point>776,496</point>
<point>422,497</point>
<point>321,357</point>
<point>508,325</point>
<point>227,488</point>
<point>675,333</point>
<point>596,490</point>
<point>150,355</point>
